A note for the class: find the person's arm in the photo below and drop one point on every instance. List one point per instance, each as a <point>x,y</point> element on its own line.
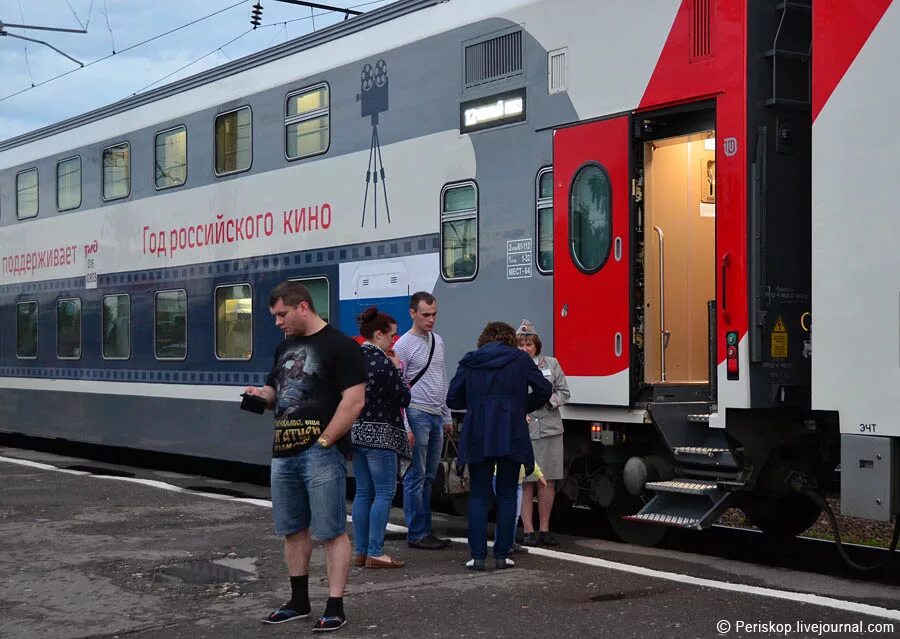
<point>561,392</point>
<point>541,388</point>
<point>352,401</point>
<point>266,392</point>
<point>456,395</point>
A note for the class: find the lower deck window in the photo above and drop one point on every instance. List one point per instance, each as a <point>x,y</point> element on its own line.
<point>116,327</point>
<point>170,334</point>
<point>320,294</point>
<point>234,322</point>
<point>68,328</point>
<point>27,330</point>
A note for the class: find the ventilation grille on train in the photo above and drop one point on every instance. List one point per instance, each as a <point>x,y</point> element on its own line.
<point>556,71</point>
<point>493,59</point>
<point>701,25</point>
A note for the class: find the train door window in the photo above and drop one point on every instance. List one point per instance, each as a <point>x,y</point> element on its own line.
<point>590,221</point>
<point>170,326</point>
<point>545,220</point>
<point>307,122</point>
<point>171,158</point>
<point>234,141</point>
<point>68,328</point>
<point>27,194</point>
<point>27,330</point>
<point>117,171</point>
<point>459,231</point>
<point>320,292</point>
<point>116,327</point>
<point>68,184</point>
<point>234,321</point>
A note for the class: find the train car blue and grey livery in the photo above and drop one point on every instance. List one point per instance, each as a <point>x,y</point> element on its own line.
<point>139,242</point>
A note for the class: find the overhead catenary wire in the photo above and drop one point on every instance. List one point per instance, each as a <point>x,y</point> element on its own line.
<point>126,49</point>
<point>77,19</point>
<point>164,34</point>
<point>25,44</point>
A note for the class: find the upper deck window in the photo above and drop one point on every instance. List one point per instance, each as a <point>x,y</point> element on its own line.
<point>27,194</point>
<point>68,184</point>
<point>171,158</point>
<point>234,141</point>
<point>459,231</point>
<point>307,128</point>
<point>117,171</point>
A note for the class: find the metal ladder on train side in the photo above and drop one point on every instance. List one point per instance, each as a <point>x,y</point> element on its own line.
<point>707,471</point>
<point>790,55</point>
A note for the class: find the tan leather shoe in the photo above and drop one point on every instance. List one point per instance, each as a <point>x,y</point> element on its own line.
<point>371,562</point>
<point>360,561</point>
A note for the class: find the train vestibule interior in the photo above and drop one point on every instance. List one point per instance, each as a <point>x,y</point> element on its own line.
<point>679,268</point>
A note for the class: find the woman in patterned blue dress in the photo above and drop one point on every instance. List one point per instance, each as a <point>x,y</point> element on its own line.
<point>378,436</point>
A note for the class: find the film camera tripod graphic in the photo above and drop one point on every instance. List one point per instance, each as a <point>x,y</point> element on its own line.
<point>373,99</point>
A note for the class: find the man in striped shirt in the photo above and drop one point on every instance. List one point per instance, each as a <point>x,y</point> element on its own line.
<point>421,352</point>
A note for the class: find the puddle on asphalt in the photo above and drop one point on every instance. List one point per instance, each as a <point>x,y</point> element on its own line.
<point>628,594</point>
<point>205,572</point>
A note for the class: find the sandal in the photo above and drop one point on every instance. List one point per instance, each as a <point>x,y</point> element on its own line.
<point>329,624</point>
<point>283,615</point>
<point>372,562</point>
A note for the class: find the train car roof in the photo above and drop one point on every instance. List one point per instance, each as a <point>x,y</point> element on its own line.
<point>348,27</point>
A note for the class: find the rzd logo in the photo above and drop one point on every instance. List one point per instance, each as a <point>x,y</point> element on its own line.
<point>729,146</point>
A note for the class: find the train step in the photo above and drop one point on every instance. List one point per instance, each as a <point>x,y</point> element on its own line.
<point>684,503</point>
<point>685,428</point>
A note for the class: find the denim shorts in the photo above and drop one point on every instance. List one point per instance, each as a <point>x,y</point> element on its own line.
<point>309,490</point>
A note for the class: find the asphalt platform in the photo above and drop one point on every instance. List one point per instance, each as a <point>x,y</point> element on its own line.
<point>83,555</point>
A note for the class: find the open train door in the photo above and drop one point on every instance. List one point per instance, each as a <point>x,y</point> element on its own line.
<point>591,296</point>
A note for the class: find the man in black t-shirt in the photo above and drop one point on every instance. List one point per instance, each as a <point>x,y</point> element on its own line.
<point>317,388</point>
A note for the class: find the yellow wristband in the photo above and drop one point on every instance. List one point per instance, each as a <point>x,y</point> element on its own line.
<point>323,441</point>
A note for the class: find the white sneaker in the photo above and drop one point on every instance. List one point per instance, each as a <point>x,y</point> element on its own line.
<point>500,564</point>
<point>475,564</point>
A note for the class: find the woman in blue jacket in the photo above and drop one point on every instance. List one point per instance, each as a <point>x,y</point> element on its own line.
<point>497,385</point>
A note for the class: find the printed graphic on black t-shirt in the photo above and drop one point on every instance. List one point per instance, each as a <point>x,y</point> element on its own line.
<point>308,377</point>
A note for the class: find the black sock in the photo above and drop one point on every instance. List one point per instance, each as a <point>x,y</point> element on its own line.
<point>299,595</point>
<point>335,607</point>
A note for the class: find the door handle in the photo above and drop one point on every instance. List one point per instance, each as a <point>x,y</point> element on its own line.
<point>564,311</point>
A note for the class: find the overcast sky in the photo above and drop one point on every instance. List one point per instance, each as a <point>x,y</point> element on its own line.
<point>119,24</point>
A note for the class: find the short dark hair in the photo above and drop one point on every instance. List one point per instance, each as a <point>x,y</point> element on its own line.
<point>371,320</point>
<point>497,332</point>
<point>421,296</point>
<point>524,338</point>
<point>291,293</point>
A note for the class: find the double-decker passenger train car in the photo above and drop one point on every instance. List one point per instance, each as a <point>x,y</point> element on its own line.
<point>671,191</point>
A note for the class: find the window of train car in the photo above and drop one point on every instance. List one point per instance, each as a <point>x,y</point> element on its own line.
<point>68,184</point>
<point>234,141</point>
<point>320,291</point>
<point>545,221</point>
<point>68,328</point>
<point>170,160</point>
<point>459,231</point>
<point>26,330</point>
<point>590,218</point>
<point>234,321</point>
<point>27,194</point>
<point>116,327</point>
<point>307,122</point>
<point>117,171</point>
<point>170,326</point>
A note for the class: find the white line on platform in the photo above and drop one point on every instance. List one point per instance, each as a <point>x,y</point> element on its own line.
<point>799,597</point>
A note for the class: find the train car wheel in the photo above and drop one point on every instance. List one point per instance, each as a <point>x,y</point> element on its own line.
<point>784,517</point>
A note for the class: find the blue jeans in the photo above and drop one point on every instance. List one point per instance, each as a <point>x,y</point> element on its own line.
<point>428,430</point>
<point>375,471</point>
<point>480,475</point>
<point>309,490</point>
